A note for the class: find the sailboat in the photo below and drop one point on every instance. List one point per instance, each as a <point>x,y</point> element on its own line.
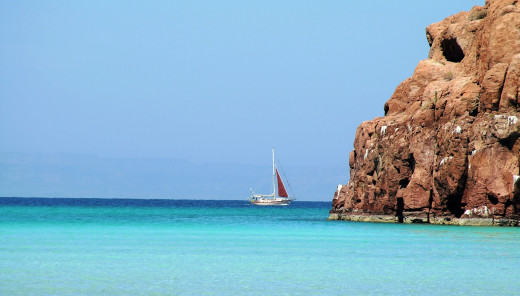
<point>280,198</point>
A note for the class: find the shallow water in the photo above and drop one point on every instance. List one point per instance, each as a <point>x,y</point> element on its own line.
<point>187,247</point>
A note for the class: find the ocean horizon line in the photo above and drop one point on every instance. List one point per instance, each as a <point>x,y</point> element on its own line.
<point>142,199</point>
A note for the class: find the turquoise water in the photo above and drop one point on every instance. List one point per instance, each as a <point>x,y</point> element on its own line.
<point>139,247</point>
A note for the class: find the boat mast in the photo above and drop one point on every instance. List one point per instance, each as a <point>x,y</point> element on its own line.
<point>274,184</point>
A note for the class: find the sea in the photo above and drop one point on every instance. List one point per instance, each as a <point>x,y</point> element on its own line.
<point>65,246</point>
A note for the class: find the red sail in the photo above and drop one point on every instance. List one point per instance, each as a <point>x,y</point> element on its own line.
<point>281,189</point>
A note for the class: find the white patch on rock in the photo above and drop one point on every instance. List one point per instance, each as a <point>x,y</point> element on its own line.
<point>499,117</point>
<point>515,179</point>
<point>383,130</point>
<point>482,211</point>
<point>338,191</point>
<point>457,130</point>
<point>445,159</point>
<point>366,154</point>
<point>512,120</point>
<point>396,129</point>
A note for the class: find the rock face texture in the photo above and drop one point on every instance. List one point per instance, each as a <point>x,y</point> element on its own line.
<point>447,150</point>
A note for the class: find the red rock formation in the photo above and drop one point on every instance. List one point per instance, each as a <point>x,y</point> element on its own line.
<point>447,147</point>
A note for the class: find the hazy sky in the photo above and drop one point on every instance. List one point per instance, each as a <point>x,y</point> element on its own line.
<point>205,81</point>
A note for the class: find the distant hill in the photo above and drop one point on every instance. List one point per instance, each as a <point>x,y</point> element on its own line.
<point>69,175</point>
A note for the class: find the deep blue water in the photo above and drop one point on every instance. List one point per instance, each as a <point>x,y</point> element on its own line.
<point>193,247</point>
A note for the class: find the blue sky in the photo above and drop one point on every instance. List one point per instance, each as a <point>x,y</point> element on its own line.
<point>204,81</point>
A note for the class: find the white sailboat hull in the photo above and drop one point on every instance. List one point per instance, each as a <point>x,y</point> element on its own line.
<point>271,202</point>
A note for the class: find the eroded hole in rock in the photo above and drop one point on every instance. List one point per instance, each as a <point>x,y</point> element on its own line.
<point>387,108</point>
<point>474,112</point>
<point>397,169</point>
<point>493,199</point>
<point>376,164</point>
<point>399,209</point>
<point>411,162</point>
<point>452,50</point>
<point>507,205</point>
<point>454,205</point>
<point>509,142</point>
<point>404,182</point>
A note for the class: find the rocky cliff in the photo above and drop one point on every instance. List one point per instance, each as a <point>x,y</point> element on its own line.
<point>447,150</point>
